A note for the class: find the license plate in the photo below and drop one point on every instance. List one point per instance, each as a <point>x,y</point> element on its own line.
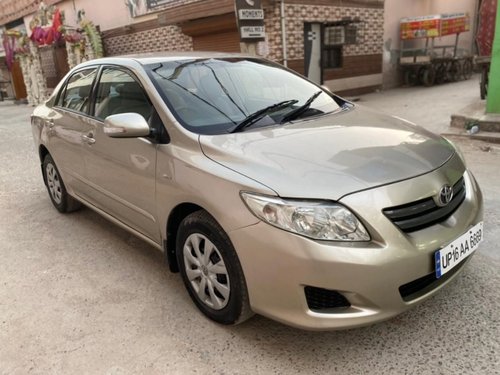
<point>451,255</point>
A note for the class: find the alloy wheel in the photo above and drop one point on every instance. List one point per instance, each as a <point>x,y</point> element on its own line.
<point>54,183</point>
<point>206,271</point>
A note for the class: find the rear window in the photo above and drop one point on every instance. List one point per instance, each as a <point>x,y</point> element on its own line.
<point>76,93</point>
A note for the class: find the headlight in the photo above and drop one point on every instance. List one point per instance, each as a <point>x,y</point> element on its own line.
<point>313,219</point>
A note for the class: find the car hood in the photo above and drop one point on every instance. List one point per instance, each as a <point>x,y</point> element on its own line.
<point>331,156</point>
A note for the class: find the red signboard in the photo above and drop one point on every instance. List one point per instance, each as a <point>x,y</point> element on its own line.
<point>434,26</point>
<point>420,27</point>
<point>454,23</point>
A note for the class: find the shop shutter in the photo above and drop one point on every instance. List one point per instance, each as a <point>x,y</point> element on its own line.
<point>223,42</point>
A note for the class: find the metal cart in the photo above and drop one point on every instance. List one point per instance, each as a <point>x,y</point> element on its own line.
<point>432,64</point>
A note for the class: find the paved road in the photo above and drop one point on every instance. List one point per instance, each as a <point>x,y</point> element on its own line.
<point>79,295</point>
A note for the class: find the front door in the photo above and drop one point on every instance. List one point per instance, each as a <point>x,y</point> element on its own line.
<point>121,171</point>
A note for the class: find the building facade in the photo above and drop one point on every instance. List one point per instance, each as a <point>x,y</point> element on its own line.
<point>346,63</point>
<point>338,43</point>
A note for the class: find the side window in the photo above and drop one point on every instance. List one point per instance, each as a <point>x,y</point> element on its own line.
<point>76,95</point>
<point>119,92</point>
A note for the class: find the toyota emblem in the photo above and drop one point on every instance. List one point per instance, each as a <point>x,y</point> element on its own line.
<point>445,195</point>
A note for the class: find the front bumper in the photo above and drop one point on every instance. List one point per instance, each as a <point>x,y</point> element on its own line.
<point>278,265</point>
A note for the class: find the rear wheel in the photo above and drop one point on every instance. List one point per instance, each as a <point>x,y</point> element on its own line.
<point>55,186</point>
<point>211,270</point>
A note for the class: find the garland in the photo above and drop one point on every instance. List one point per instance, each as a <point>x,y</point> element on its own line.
<point>92,33</point>
<point>47,26</point>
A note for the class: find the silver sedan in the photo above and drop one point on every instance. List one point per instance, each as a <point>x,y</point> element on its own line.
<point>268,193</point>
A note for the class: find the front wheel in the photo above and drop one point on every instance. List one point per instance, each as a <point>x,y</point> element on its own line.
<point>55,186</point>
<point>211,270</point>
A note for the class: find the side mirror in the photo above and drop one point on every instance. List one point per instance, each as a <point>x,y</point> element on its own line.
<point>126,125</point>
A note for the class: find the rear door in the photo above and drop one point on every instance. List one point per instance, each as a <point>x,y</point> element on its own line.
<point>121,171</point>
<point>68,122</point>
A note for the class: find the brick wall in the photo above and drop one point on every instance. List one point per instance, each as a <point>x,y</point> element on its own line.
<point>167,38</point>
<point>370,31</point>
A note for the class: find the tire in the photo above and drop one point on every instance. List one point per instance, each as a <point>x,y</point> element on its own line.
<point>55,186</point>
<point>428,76</point>
<point>483,85</point>
<point>215,281</point>
<point>455,71</point>
<point>440,73</point>
<point>467,69</point>
<point>411,77</point>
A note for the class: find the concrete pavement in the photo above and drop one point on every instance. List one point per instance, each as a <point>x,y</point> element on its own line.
<point>80,296</point>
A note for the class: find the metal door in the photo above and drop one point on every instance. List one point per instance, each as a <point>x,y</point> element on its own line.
<point>312,52</point>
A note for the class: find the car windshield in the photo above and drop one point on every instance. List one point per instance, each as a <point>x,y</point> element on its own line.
<point>214,96</point>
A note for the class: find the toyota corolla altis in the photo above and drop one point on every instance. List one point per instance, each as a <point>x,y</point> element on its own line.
<point>267,192</point>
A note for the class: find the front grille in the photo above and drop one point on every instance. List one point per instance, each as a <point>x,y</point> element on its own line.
<point>425,212</point>
<point>423,285</point>
<point>319,299</point>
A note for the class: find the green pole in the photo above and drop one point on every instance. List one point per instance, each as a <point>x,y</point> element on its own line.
<point>493,99</point>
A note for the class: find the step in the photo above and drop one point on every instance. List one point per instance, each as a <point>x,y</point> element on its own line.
<point>485,136</point>
<point>486,123</point>
<point>476,114</point>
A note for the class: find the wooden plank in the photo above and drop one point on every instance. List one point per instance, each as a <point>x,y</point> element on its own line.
<point>210,25</point>
<point>297,65</point>
<point>354,66</point>
<point>222,42</point>
<point>200,9</point>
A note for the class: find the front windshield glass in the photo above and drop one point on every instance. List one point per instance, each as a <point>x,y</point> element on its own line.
<point>212,96</point>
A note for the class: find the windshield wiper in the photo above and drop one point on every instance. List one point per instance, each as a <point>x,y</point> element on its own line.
<point>300,110</point>
<point>256,116</point>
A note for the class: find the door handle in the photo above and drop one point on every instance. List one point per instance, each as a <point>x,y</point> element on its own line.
<point>89,139</point>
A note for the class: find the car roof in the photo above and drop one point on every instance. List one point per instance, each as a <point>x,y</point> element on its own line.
<point>157,57</point>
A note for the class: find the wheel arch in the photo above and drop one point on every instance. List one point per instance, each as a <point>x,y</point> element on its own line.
<point>42,153</point>
<point>175,218</point>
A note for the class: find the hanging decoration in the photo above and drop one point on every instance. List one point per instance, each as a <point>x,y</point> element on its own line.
<point>47,26</point>
<point>83,43</point>
<point>9,45</point>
